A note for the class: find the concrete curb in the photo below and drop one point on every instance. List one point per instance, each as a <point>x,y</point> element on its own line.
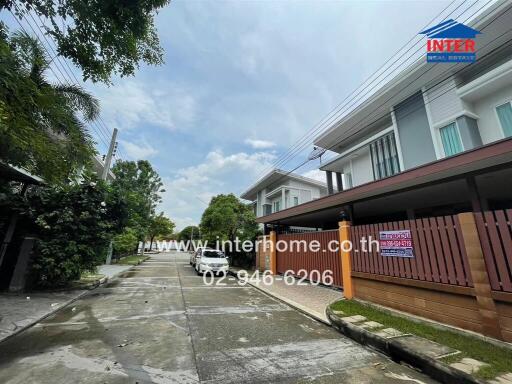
<point>86,290</point>
<point>397,352</point>
<point>299,307</point>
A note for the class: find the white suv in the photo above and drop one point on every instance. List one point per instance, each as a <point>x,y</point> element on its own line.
<point>211,260</point>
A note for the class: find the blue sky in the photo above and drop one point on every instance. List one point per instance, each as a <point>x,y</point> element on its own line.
<point>242,81</point>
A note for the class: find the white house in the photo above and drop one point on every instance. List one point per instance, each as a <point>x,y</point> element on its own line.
<point>279,190</point>
<point>428,112</point>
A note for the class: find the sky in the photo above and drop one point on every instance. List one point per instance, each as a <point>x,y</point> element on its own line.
<point>242,82</point>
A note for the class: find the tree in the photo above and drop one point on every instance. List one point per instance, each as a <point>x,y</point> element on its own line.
<point>40,128</point>
<point>189,233</point>
<point>160,226</point>
<point>227,218</point>
<point>102,37</point>
<point>140,187</point>
<point>74,225</point>
<point>126,241</point>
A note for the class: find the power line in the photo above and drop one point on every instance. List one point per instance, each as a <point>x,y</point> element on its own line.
<point>433,86</point>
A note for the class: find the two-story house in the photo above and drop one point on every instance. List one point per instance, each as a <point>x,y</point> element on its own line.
<point>436,139</point>
<point>278,190</point>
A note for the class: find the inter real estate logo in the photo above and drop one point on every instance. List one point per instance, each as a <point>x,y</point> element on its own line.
<point>451,42</point>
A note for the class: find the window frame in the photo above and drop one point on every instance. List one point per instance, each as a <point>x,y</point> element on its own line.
<point>458,133</point>
<point>506,101</point>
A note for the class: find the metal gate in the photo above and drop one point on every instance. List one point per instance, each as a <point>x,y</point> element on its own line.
<point>306,261</point>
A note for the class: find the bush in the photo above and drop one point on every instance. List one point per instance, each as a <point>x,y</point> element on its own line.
<point>75,224</point>
<point>126,242</point>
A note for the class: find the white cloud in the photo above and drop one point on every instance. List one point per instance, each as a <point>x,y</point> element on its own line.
<point>139,150</point>
<point>190,190</point>
<point>260,144</point>
<point>133,104</point>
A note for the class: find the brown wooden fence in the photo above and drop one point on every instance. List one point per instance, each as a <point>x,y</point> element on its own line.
<point>295,258</point>
<point>495,232</point>
<point>439,254</point>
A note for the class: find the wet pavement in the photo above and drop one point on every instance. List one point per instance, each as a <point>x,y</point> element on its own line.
<point>160,323</point>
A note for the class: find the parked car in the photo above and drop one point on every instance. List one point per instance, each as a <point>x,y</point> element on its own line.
<point>193,254</point>
<point>211,260</point>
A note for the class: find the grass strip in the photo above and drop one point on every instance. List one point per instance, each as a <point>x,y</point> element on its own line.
<point>498,358</point>
<point>132,260</point>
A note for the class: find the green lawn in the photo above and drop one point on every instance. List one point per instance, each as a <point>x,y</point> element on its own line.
<point>498,358</point>
<point>132,260</point>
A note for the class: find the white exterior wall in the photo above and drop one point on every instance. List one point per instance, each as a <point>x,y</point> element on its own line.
<point>362,168</point>
<point>444,104</point>
<point>293,188</point>
<point>488,123</point>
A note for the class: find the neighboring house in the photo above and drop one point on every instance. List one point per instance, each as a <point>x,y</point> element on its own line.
<point>432,141</point>
<point>279,190</point>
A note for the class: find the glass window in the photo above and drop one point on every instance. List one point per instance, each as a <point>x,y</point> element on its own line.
<point>276,205</point>
<point>295,200</point>
<point>384,156</point>
<point>505,115</point>
<point>451,140</point>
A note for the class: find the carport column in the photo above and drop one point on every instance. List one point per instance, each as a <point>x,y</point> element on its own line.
<point>477,268</point>
<point>328,175</point>
<point>346,265</point>
<point>273,252</point>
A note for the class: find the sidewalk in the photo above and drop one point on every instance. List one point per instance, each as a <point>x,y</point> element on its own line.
<point>310,299</point>
<point>22,310</point>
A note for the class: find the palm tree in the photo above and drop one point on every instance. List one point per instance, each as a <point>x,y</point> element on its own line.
<point>44,131</point>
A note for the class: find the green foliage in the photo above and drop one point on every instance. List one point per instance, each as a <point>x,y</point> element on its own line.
<point>102,37</point>
<point>74,225</point>
<point>126,241</point>
<point>40,128</point>
<point>227,218</point>
<point>160,226</point>
<point>187,233</point>
<point>139,186</point>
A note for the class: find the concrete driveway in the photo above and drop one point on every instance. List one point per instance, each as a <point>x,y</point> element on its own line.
<point>159,323</point>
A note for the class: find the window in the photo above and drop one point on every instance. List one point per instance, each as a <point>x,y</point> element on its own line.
<point>451,140</point>
<point>384,156</point>
<point>295,200</point>
<point>276,206</point>
<point>505,116</point>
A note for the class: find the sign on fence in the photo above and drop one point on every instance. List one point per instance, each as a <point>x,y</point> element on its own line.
<point>396,243</point>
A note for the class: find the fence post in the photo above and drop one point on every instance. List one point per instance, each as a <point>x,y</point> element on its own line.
<point>478,270</point>
<point>346,267</point>
<point>273,252</point>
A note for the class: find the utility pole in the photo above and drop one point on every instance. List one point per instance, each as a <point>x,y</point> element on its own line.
<point>108,159</point>
<point>104,175</point>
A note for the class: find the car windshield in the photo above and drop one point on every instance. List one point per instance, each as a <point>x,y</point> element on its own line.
<point>214,254</point>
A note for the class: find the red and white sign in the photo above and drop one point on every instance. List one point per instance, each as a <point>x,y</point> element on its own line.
<point>396,243</point>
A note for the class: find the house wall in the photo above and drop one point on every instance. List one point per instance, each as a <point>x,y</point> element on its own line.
<point>294,188</point>
<point>444,103</point>
<point>362,167</point>
<point>485,108</point>
<point>414,132</point>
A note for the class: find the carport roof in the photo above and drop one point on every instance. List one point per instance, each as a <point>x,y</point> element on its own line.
<point>476,160</point>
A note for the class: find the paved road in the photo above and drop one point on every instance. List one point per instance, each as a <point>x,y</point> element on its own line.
<point>160,324</point>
